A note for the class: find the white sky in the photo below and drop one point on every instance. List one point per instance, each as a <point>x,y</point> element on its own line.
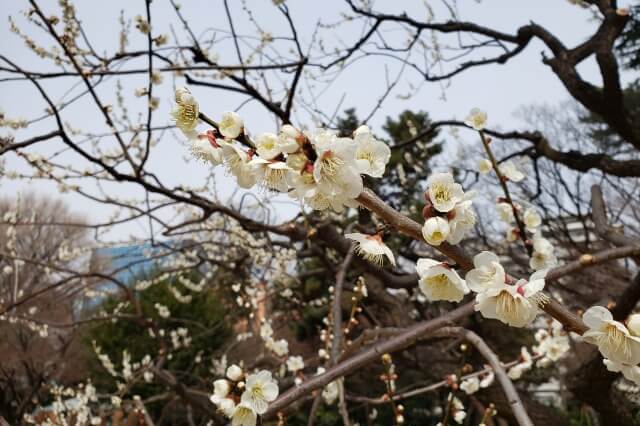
<point>499,90</point>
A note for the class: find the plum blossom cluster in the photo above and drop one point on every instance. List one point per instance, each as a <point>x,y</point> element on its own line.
<point>372,248</point>
<point>448,211</point>
<point>618,343</point>
<point>243,397</point>
<point>513,304</point>
<point>280,347</point>
<point>72,406</point>
<point>317,167</point>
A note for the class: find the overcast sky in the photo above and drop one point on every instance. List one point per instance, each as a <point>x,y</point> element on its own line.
<point>497,89</point>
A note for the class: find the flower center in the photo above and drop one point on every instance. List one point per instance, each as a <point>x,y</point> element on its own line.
<point>440,285</point>
<point>506,304</point>
<point>188,112</point>
<point>441,193</point>
<point>615,338</point>
<point>257,392</point>
<point>273,177</point>
<point>330,166</point>
<point>366,155</point>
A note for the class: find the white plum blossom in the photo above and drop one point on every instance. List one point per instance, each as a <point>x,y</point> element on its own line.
<point>279,347</point>
<point>244,415</point>
<point>509,170</point>
<point>227,406</point>
<point>515,305</point>
<point>295,363</point>
<point>612,338</point>
<point>162,310</point>
<point>458,409</point>
<point>531,219</point>
<point>470,385</point>
<point>334,169</point>
<point>477,119</point>
<point>231,125</point>
<point>542,256</point>
<point>271,174</point>
<point>288,139</point>
<point>525,363</point>
<point>487,379</point>
<point>237,163</point>
<point>371,154</point>
<point>435,230</point>
<point>221,389</point>
<point>551,345</point>
<point>330,393</point>
<point>267,146</point>
<point>505,211</point>
<point>260,389</point>
<point>371,248</point>
<point>444,193</point>
<point>205,148</point>
<point>439,282</point>
<point>487,272</point>
<point>234,372</point>
<point>484,166</point>
<point>630,372</point>
<point>461,220</point>
<point>185,113</point>
<point>633,324</point>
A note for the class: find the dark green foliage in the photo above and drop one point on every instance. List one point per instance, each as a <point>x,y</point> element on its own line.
<point>601,134</point>
<point>203,317</point>
<point>629,43</point>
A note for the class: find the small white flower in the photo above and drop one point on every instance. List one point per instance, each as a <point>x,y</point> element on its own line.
<point>260,389</point>
<point>372,155</point>
<point>487,272</point>
<point>266,331</point>
<point>244,415</point>
<point>267,146</point>
<point>476,119</point>
<point>439,282</point>
<point>231,125</point>
<point>227,406</point>
<point>205,148</point>
<point>470,385</point>
<point>514,305</point>
<point>509,170</point>
<point>371,248</point>
<point>531,219</point>
<point>334,171</point>
<point>633,324</point>
<point>271,174</point>
<point>435,230</point>
<point>630,372</point>
<point>234,372</point>
<point>516,371</point>
<point>237,162</point>
<point>295,363</point>
<point>148,376</point>
<point>505,211</point>
<point>330,393</point>
<point>542,256</point>
<point>484,166</point>
<point>613,339</point>
<point>185,112</point>
<point>221,389</point>
<point>487,379</point>
<point>288,139</point>
<point>279,347</point>
<point>459,416</point>
<point>461,219</point>
<point>443,192</point>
